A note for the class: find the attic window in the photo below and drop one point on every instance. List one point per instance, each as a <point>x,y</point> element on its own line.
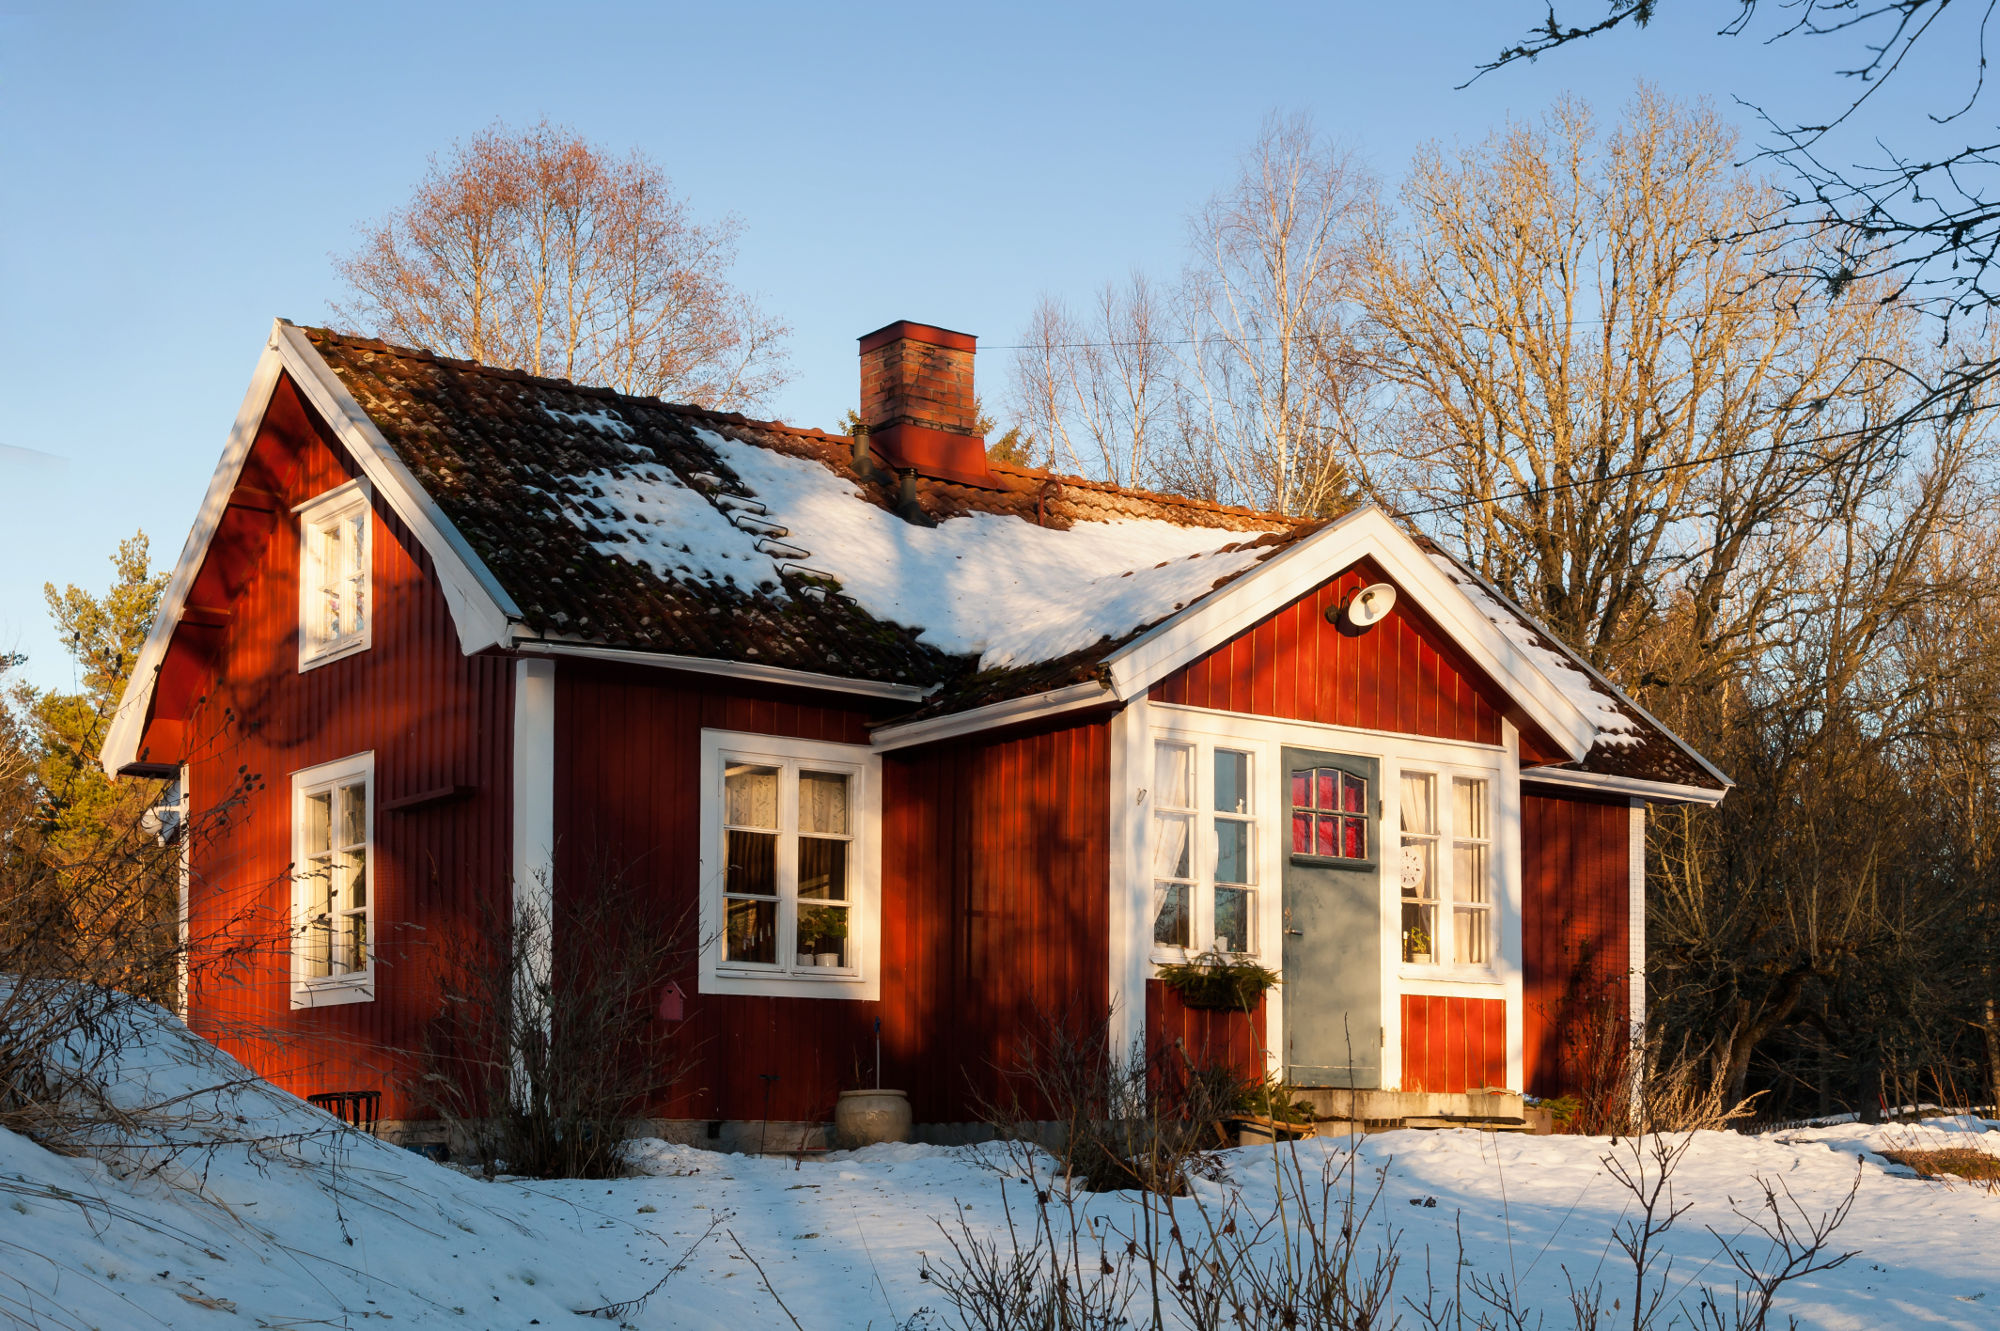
<point>334,600</point>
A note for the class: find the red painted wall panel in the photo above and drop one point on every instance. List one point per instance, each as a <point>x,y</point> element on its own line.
<point>1452,1045</point>
<point>1230,1039</point>
<point>432,717</point>
<point>1401,675</point>
<point>1576,875</point>
<point>994,864</point>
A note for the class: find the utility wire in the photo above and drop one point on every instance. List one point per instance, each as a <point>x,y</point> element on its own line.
<point>1724,456</point>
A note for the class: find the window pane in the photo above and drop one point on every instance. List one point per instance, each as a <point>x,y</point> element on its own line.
<point>1302,789</point>
<point>357,878</point>
<point>353,934</point>
<point>1470,944</point>
<point>1302,834</point>
<point>822,868</point>
<point>354,814</point>
<point>1468,874</point>
<point>1419,929</point>
<point>1173,776</point>
<point>822,936</point>
<point>1354,839</point>
<point>1170,919</point>
<point>1326,836</point>
<point>750,930</point>
<point>1232,919</point>
<point>752,863</point>
<point>1232,781</point>
<point>1172,853</point>
<point>1419,816</point>
<point>1417,869</point>
<point>319,823</point>
<point>1326,786</point>
<point>822,802</point>
<point>1232,851</point>
<point>750,796</point>
<point>1469,808</point>
<point>1353,794</point>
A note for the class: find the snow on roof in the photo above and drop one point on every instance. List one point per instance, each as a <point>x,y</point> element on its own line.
<point>980,584</point>
<point>1602,709</point>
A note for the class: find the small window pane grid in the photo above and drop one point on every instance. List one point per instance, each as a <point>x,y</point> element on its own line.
<point>1472,884</point>
<point>334,610</point>
<point>332,937</point>
<point>1329,814</point>
<point>1220,876</point>
<point>787,841</point>
<point>1467,892</point>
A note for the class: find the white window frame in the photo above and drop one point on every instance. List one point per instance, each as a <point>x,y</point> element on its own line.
<point>311,991</point>
<point>315,516</point>
<point>861,978</point>
<point>1201,883</point>
<point>1447,899</point>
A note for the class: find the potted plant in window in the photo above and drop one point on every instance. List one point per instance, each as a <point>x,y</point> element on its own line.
<point>1416,945</point>
<point>822,930</point>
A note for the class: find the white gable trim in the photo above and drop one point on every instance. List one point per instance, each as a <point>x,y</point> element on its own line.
<point>480,609</point>
<point>1657,792</point>
<point>1283,579</point>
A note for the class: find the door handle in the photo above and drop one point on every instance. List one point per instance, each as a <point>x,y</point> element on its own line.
<point>1296,933</point>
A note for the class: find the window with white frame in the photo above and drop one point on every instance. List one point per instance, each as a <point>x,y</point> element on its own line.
<point>1447,901</point>
<point>786,849</point>
<point>1205,851</point>
<point>333,575</point>
<point>333,927</point>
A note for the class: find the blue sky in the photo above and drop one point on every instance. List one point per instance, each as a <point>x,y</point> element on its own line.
<point>172,177</point>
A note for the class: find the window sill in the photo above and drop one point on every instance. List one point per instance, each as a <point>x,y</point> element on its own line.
<point>1450,974</point>
<point>333,993</point>
<point>328,657</point>
<point>775,983</point>
<point>1180,956</point>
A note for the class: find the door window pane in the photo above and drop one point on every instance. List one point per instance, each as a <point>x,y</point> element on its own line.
<point>1338,827</point>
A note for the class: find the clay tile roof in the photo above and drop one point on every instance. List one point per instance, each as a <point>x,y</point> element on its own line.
<point>546,481</point>
<point>631,522</point>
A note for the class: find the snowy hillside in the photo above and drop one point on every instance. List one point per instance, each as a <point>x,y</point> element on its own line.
<point>266,1215</point>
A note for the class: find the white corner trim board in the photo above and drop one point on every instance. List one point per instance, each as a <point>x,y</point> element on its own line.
<point>534,781</point>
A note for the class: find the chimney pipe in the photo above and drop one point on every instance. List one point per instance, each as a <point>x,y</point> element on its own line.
<point>918,406</point>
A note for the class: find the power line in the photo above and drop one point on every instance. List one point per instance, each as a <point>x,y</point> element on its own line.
<point>1724,456</point>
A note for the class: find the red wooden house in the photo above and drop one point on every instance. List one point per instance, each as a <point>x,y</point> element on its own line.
<point>923,737</point>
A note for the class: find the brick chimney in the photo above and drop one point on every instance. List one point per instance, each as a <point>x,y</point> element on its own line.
<point>917,402</point>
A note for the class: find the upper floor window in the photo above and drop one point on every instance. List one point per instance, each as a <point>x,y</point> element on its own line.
<point>332,902</point>
<point>334,575</point>
<point>1204,847</point>
<point>788,862</point>
<point>1447,899</point>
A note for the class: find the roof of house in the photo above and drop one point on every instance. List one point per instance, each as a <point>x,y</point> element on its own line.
<point>628,523</point>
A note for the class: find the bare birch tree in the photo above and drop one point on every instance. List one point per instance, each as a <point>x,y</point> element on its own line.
<point>542,252</point>
<point>1096,388</point>
<point>1268,316</point>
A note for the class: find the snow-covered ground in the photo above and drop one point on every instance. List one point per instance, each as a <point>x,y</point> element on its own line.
<point>280,1221</point>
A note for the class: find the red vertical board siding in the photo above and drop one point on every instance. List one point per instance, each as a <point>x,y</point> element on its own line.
<point>432,717</point>
<point>1576,876</point>
<point>1453,1045</point>
<point>1234,1040</point>
<point>995,854</point>
<point>1402,675</point>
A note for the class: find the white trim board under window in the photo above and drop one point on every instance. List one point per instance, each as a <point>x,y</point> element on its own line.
<point>333,883</point>
<point>790,867</point>
<point>336,547</point>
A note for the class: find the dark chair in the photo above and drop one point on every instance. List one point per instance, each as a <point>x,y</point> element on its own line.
<point>358,1109</point>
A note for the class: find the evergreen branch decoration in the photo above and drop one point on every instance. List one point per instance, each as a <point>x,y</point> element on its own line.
<point>1218,983</point>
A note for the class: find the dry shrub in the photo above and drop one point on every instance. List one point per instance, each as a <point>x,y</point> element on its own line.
<point>1951,1161</point>
<point>547,1040</point>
